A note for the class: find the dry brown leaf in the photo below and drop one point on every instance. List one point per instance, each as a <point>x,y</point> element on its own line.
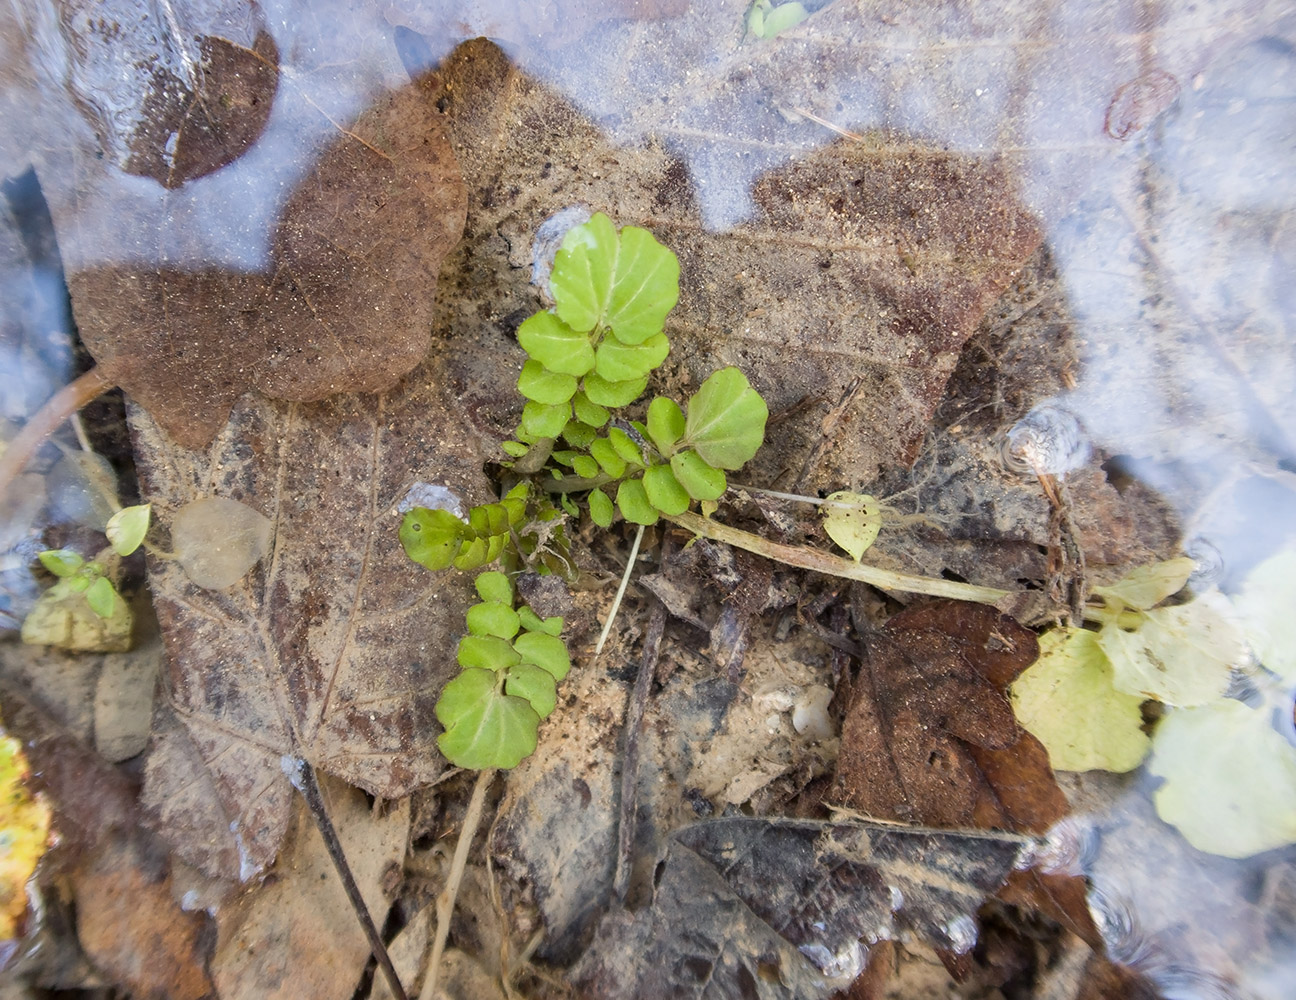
<point>335,647</point>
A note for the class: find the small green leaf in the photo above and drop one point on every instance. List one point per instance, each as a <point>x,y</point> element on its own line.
<point>493,618</point>
<point>1179,655</point>
<point>539,383</point>
<point>1066,700</point>
<point>726,420</point>
<point>665,424</point>
<point>579,434</point>
<point>765,20</point>
<point>486,652</point>
<point>664,491</point>
<point>585,467</point>
<point>472,554</point>
<point>600,508</point>
<point>535,684</point>
<point>590,413</point>
<point>1230,779</point>
<point>78,584</point>
<point>633,503</point>
<point>101,597</point>
<point>1148,586</point>
<point>854,527</point>
<point>544,420</point>
<point>568,505</point>
<point>494,586</point>
<point>614,393</point>
<point>618,362</point>
<point>60,562</point>
<point>556,345</point>
<point>625,446</point>
<point>485,728</point>
<point>532,622</point>
<point>126,529</point>
<point>645,288</point>
<point>432,537</point>
<point>608,459</point>
<point>581,280</point>
<point>515,449</point>
<point>544,650</point>
<point>702,481</point>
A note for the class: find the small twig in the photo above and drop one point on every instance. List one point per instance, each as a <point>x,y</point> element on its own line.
<point>46,420</point>
<point>446,901</point>
<point>628,821</point>
<point>616,601</point>
<point>824,562</point>
<point>303,778</point>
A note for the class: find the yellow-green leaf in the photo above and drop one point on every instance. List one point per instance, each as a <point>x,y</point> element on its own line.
<point>853,521</point>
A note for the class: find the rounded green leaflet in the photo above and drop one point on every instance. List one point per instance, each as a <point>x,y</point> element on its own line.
<point>544,420</point>
<point>487,652</point>
<point>473,554</point>
<point>556,345</point>
<point>514,449</point>
<point>1230,778</point>
<point>535,684</point>
<point>101,597</point>
<point>484,728</point>
<point>581,280</point>
<point>61,562</point>
<point>608,459</point>
<point>600,508</point>
<point>126,529</point>
<point>544,650</point>
<point>644,289</point>
<point>665,424</point>
<point>539,383</point>
<point>664,491</point>
<point>432,537</point>
<point>702,481</point>
<point>726,420</point>
<point>579,434</point>
<point>588,412</point>
<point>532,622</point>
<point>493,618</point>
<point>618,362</point>
<point>494,586</point>
<point>633,503</point>
<point>853,521</point>
<point>585,467</point>
<point>625,446</point>
<point>607,393</point>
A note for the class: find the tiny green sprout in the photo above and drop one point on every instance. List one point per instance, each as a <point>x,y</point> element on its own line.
<point>588,358</point>
<point>126,529</point>
<point>765,20</point>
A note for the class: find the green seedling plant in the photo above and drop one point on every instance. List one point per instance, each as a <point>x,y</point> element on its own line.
<point>576,449</point>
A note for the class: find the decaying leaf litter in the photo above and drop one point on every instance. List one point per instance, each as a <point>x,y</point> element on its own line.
<point>493,260</point>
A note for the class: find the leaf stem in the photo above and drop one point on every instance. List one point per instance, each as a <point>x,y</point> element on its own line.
<point>823,562</point>
<point>616,601</point>
<point>446,901</point>
<point>58,408</point>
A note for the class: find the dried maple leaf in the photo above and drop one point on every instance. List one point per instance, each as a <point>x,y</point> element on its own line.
<point>335,647</point>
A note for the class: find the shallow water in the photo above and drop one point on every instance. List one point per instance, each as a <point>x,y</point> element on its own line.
<point>1080,206</point>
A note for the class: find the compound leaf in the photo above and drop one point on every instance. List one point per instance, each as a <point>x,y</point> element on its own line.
<point>1230,783</point>
<point>853,521</point>
<point>556,345</point>
<point>1066,699</point>
<point>485,728</point>
<point>726,420</point>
